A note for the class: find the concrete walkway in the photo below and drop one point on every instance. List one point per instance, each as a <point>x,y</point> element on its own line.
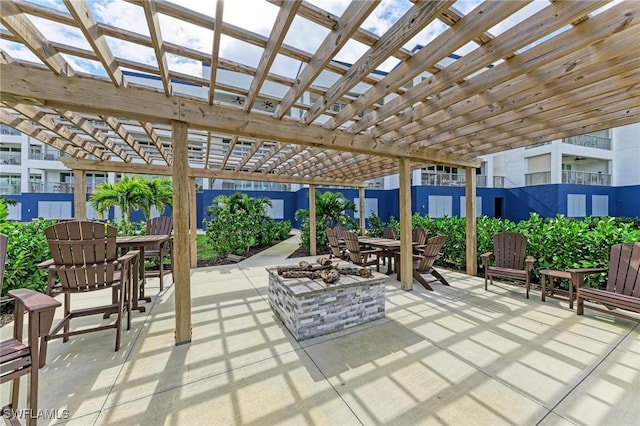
<point>457,356</point>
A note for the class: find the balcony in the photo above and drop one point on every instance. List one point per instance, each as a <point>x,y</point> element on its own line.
<point>11,158</point>
<point>538,178</point>
<point>568,176</point>
<point>47,156</point>
<point>455,179</point>
<point>51,187</point>
<point>10,189</point>
<point>589,141</point>
<point>586,178</point>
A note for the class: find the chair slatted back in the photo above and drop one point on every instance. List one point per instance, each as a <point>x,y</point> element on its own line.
<point>419,235</point>
<point>353,247</point>
<point>624,269</point>
<point>340,231</point>
<point>390,233</point>
<point>431,253</point>
<point>88,252</point>
<point>161,225</point>
<point>4,242</point>
<point>509,250</point>
<point>333,242</point>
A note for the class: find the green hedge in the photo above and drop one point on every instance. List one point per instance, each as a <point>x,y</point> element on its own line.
<point>27,246</point>
<point>556,243</point>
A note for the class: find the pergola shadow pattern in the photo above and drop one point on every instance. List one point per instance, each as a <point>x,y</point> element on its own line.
<point>458,355</point>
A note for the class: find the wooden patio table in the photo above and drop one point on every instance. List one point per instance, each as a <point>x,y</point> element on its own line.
<point>139,242</point>
<point>387,244</point>
<point>544,273</point>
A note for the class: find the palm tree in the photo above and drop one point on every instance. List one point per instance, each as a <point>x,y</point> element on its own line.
<point>161,190</point>
<point>331,210</point>
<point>128,193</point>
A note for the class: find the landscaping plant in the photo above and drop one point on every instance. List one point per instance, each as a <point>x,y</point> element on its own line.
<point>331,208</point>
<point>239,222</point>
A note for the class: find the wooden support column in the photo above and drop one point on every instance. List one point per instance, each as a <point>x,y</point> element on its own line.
<point>79,194</point>
<point>312,221</point>
<point>182,273</point>
<point>362,212</point>
<point>470,207</point>
<point>406,246</point>
<point>193,226</point>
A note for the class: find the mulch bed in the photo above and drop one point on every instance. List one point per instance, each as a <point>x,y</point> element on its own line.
<point>304,252</point>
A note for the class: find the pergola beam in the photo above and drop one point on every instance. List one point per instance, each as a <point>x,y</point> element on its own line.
<point>140,168</point>
<point>83,95</point>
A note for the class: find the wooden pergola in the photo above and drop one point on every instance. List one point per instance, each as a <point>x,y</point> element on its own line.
<point>553,70</point>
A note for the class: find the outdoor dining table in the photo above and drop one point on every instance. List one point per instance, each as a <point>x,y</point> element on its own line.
<point>139,242</point>
<point>387,244</point>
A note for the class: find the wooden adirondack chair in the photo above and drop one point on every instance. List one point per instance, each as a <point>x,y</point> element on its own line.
<point>161,225</point>
<point>84,259</point>
<point>17,358</point>
<point>423,263</point>
<point>623,282</point>
<point>337,250</point>
<point>509,250</point>
<point>340,231</point>
<point>357,255</point>
<point>390,233</point>
<point>419,237</point>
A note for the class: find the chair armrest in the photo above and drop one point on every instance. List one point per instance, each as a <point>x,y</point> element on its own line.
<point>45,264</point>
<point>128,256</point>
<point>34,301</point>
<point>529,263</point>
<point>486,259</point>
<point>577,275</point>
<point>374,251</point>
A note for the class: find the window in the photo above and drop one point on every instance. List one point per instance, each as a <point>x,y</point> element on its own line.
<point>599,205</point>
<point>440,205</point>
<point>277,211</point>
<point>463,206</point>
<point>54,209</point>
<point>576,205</point>
<point>370,205</point>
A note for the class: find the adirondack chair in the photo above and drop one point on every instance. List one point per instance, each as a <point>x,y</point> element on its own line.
<point>423,263</point>
<point>84,259</point>
<point>357,255</point>
<point>337,250</point>
<point>623,282</point>
<point>419,237</point>
<point>341,231</point>
<point>17,358</point>
<point>161,225</point>
<point>509,250</point>
<point>390,233</point>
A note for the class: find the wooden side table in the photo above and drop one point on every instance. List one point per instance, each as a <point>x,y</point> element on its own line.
<point>544,273</point>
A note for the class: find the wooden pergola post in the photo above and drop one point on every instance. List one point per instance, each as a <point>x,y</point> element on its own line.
<point>80,194</point>
<point>193,226</point>
<point>406,246</point>
<point>470,207</point>
<point>182,272</point>
<point>362,213</point>
<point>312,220</point>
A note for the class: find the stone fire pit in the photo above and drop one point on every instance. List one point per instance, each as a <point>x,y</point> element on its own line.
<point>310,307</point>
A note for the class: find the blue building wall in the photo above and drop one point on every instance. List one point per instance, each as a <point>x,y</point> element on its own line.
<point>627,201</point>
<point>517,203</point>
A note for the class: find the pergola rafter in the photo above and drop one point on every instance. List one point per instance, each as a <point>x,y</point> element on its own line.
<point>545,71</point>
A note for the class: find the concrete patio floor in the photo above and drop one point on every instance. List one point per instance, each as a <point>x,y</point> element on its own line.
<point>457,355</point>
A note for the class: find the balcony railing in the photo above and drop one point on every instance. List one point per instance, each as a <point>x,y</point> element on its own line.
<point>589,141</point>
<point>55,187</point>
<point>538,178</point>
<point>48,156</point>
<point>455,179</point>
<point>498,182</point>
<point>12,158</point>
<point>586,178</point>
<point>10,189</point>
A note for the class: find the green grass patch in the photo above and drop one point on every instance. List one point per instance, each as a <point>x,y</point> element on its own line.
<point>205,250</point>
